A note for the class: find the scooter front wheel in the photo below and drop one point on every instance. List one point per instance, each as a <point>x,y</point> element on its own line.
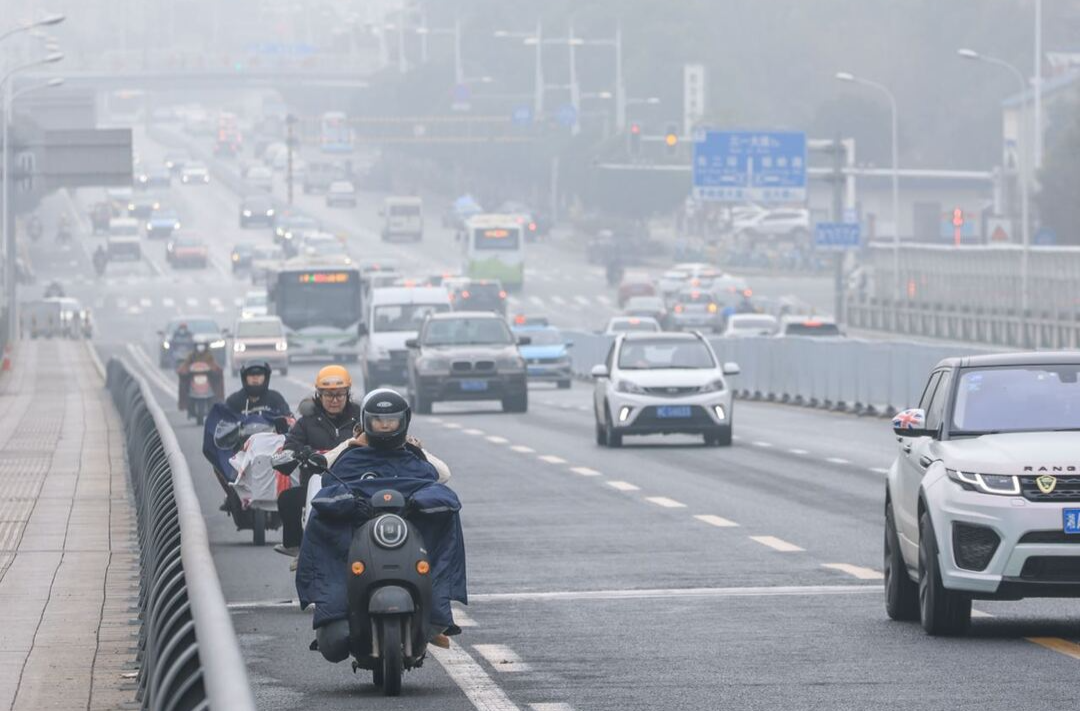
<point>258,528</point>
<point>390,649</point>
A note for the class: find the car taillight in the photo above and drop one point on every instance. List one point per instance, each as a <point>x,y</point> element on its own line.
<point>502,294</point>
<point>464,294</point>
<point>678,308</point>
<point>532,227</point>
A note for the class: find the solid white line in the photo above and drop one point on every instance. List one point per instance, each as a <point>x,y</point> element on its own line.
<point>149,371</point>
<point>717,521</point>
<point>798,451</point>
<point>551,459</point>
<point>551,707</point>
<point>523,449</point>
<point>495,439</point>
<point>837,460</point>
<point>856,571</point>
<point>665,502</point>
<point>474,433</point>
<point>584,471</point>
<point>622,486</point>
<point>479,688</point>
<point>776,543</point>
<point>501,658</point>
<point>573,595</point>
<point>297,381</point>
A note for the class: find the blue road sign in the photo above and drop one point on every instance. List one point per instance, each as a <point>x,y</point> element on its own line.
<point>567,115</point>
<point>1045,237</point>
<point>522,115</point>
<point>837,235</point>
<point>755,166</point>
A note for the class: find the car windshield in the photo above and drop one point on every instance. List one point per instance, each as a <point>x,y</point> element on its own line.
<point>404,210</point>
<point>1017,399</point>
<point>645,303</point>
<point>812,328</point>
<point>258,329</point>
<point>546,337</point>
<point>467,331</point>
<point>124,228</point>
<point>633,324</point>
<point>258,204</point>
<point>682,354</point>
<point>326,248</point>
<point>695,297</point>
<point>404,317</point>
<point>165,214</point>
<point>255,300</point>
<point>197,325</point>
<point>188,242</point>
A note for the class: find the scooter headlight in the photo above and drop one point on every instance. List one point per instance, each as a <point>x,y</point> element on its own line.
<point>390,531</point>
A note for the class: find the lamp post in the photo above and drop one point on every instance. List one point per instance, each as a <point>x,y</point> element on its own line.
<point>849,77</point>
<point>536,40</point>
<point>44,22</point>
<point>1021,167</point>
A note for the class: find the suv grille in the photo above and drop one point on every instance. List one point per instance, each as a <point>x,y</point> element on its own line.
<point>461,366</point>
<point>675,392</point>
<point>1067,489</point>
<point>973,546</point>
<point>698,416</point>
<point>1052,569</point>
<point>1049,537</point>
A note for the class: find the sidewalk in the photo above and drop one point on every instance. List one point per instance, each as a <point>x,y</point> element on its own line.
<point>68,551</point>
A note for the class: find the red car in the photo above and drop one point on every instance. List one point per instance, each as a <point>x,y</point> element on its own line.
<point>635,285</point>
<point>188,251</point>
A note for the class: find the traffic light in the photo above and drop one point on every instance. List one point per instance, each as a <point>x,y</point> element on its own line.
<point>958,225</point>
<point>634,139</point>
<point>671,139</point>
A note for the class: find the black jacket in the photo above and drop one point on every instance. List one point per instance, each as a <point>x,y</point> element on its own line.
<point>271,401</point>
<point>320,431</point>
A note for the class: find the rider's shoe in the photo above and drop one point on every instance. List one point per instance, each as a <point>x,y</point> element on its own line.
<point>291,551</point>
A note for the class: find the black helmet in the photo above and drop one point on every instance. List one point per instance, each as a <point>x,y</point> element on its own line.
<point>255,368</point>
<point>386,419</point>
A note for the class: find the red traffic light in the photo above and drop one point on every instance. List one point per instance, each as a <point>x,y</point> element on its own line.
<point>635,128</point>
<point>958,217</point>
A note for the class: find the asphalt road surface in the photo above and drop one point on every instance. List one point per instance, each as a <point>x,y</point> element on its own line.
<point>665,575</point>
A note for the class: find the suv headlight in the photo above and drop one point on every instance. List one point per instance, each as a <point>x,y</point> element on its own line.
<point>626,386</point>
<point>432,365</point>
<point>514,362</point>
<point>390,531</point>
<point>1000,484</point>
<point>239,347</point>
<point>218,344</point>
<point>715,386</point>
<point>247,213</point>
<point>281,346</point>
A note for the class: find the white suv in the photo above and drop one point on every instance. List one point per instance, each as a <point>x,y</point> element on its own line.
<point>662,383</point>
<point>983,500</point>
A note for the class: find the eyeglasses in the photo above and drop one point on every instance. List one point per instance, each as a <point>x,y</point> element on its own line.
<point>333,395</point>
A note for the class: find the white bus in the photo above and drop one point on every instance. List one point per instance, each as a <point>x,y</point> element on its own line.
<point>335,135</point>
<point>321,308</point>
<point>495,249</point>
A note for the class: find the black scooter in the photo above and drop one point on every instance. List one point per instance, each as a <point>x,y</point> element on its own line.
<point>389,587</point>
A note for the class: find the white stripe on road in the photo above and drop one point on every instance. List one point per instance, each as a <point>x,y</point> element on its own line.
<point>192,301</point>
<point>473,432</point>
<point>551,459</point>
<point>168,302</point>
<point>837,460</point>
<point>798,451</point>
<point>150,371</point>
<point>559,300</point>
<point>495,439</point>
<point>522,449</point>
<point>501,658</point>
<point>145,303</point>
<point>879,470</point>
<point>763,445</point>
<point>436,420</point>
<point>451,425</point>
<point>582,300</point>
<point>461,618</point>
<point>551,707</point>
<point>717,521</point>
<point>479,688</point>
<point>584,471</point>
<point>645,593</point>
<point>776,543</point>
<point>604,300</point>
<point>665,502</point>
<point>623,486</point>
<point>536,301</point>
<point>856,571</point>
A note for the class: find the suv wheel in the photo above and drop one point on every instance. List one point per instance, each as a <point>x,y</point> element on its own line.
<point>942,612</point>
<point>516,403</point>
<point>613,438</point>
<point>601,434</point>
<point>901,593</point>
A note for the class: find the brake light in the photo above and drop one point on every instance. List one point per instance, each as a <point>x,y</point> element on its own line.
<point>465,294</point>
<point>532,227</point>
<point>812,324</point>
<point>748,293</point>
<point>520,319</point>
<point>502,294</point>
<point>635,321</point>
<point>678,308</point>
<point>695,295</point>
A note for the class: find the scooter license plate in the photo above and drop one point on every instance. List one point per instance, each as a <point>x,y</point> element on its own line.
<point>474,386</point>
<point>1070,520</point>
<point>671,412</point>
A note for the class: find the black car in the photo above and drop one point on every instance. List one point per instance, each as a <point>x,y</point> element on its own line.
<point>241,256</point>
<point>170,356</point>
<point>142,206</point>
<point>479,295</point>
<point>290,227</point>
<point>153,178</point>
<point>534,223</point>
<point>175,162</point>
<point>467,355</point>
<point>257,210</point>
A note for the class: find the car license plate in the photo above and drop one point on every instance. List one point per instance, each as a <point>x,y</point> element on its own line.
<point>474,386</point>
<point>1070,520</point>
<point>673,411</point>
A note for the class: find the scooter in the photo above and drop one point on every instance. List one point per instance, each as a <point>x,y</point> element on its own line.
<point>389,585</point>
<point>200,392</point>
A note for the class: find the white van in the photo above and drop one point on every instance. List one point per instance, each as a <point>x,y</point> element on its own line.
<point>395,315</point>
<point>402,217</point>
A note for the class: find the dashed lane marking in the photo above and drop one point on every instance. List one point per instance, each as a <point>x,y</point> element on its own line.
<point>536,301</point>
<point>168,302</point>
<point>462,618</point>
<point>623,486</point>
<point>473,432</point>
<point>501,658</point>
<point>582,300</point>
<point>763,445</point>
<point>551,707</point>
<point>584,471</point>
<point>665,502</point>
<point>451,425</point>
<point>879,470</point>
<point>856,571</point>
<point>647,593</point>
<point>192,301</point>
<point>800,452</point>
<point>559,300</point>
<point>777,544</point>
<point>495,439</point>
<point>606,301</point>
<point>435,420</point>
<point>146,303</point>
<point>837,460</point>
<point>718,521</point>
<point>523,449</point>
<point>478,687</point>
<point>551,459</point>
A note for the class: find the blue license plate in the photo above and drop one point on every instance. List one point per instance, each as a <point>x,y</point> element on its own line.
<point>474,386</point>
<point>673,411</point>
<point>1070,520</point>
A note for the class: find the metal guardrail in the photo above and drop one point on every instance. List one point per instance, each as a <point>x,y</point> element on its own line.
<point>189,655</point>
<point>847,374</point>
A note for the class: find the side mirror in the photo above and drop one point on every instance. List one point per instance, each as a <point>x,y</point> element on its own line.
<point>599,371</point>
<point>524,340</point>
<point>911,423</point>
<point>361,329</point>
<point>731,368</point>
<point>568,344</point>
<point>412,343</point>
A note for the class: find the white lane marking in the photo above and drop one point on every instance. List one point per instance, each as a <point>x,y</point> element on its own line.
<point>536,301</point>
<point>192,301</point>
<point>665,502</point>
<point>215,301</point>
<point>879,470</point>
<point>451,425</point>
<point>584,471</point>
<point>478,687</point>
<point>461,618</point>
<point>718,521</point>
<point>582,300</point>
<point>551,707</point>
<point>856,571</point>
<point>134,310</point>
<point>523,449</point>
<point>474,433</point>
<point>150,371</point>
<point>837,460</point>
<point>436,420</point>
<point>551,459</point>
<point>604,300</point>
<point>622,486</point>
<point>238,302</point>
<point>501,658</point>
<point>776,544</point>
<point>121,303</point>
<point>145,303</point>
<point>297,381</point>
<point>763,445</point>
<point>798,451</point>
<point>559,300</point>
<point>644,593</point>
<point>980,613</point>
<point>495,439</point>
<point>168,302</point>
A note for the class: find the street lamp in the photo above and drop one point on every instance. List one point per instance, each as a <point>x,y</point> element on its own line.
<point>849,77</point>
<point>1021,166</point>
<point>45,22</point>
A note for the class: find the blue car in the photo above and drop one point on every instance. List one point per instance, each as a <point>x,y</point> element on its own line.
<point>547,356</point>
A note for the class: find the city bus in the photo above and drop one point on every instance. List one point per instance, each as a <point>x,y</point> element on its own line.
<point>495,249</point>
<point>321,308</point>
<point>335,136</point>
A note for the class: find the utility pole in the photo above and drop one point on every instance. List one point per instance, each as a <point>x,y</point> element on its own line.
<point>620,85</point>
<point>538,100</point>
<point>838,185</point>
<point>1037,86</point>
<point>575,89</point>
<point>290,143</point>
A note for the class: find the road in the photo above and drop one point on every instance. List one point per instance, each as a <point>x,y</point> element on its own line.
<point>664,575</point>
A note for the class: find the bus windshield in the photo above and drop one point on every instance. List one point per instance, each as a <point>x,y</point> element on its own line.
<point>496,238</point>
<point>317,299</point>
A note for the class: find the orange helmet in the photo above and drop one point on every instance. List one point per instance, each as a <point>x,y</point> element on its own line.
<point>333,376</point>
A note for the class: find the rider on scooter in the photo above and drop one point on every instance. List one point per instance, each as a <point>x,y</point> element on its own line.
<point>201,353</point>
<point>255,394</point>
